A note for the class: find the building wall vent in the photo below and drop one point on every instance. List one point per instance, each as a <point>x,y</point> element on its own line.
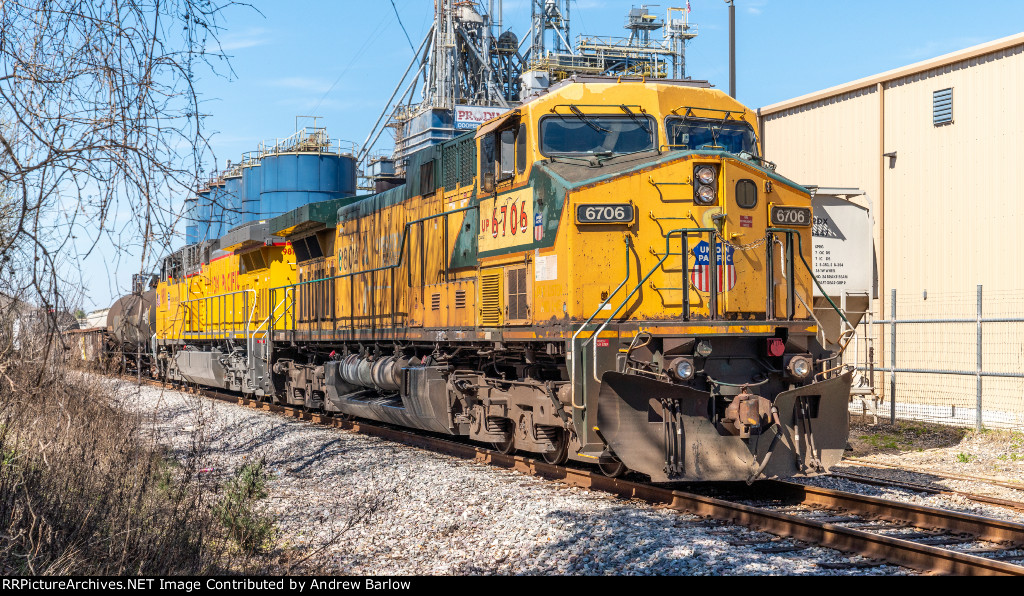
<point>942,107</point>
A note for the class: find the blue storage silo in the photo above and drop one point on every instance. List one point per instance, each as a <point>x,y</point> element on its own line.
<point>302,171</point>
<point>191,217</point>
<point>232,199</point>
<point>250,188</point>
<point>217,209</point>
<point>203,215</point>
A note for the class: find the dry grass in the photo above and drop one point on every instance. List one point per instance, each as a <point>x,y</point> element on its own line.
<point>84,492</point>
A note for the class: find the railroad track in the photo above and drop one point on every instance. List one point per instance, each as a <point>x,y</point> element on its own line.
<point>925,488</point>
<point>981,479</point>
<point>913,536</point>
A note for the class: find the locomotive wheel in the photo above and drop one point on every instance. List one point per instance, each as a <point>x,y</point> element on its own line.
<point>612,469</point>
<point>561,453</point>
<point>506,447</point>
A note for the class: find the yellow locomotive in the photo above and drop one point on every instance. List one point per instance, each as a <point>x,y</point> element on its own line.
<point>609,273</point>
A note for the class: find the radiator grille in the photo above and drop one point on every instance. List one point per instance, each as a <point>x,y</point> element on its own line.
<point>467,161</point>
<point>449,166</point>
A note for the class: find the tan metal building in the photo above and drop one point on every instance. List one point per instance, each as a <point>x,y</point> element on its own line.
<point>939,148</point>
<point>948,197</point>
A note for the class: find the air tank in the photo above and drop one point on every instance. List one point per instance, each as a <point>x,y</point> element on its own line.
<point>250,188</point>
<point>301,170</point>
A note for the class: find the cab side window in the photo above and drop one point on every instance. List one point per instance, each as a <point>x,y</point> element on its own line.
<point>506,155</point>
<point>487,160</point>
<point>521,149</point>
<point>502,155</point>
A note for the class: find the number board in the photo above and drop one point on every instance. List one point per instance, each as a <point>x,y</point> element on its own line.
<point>507,221</point>
<point>605,214</point>
<point>790,216</point>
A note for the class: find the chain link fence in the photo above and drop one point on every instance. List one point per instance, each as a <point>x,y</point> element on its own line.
<point>951,358</point>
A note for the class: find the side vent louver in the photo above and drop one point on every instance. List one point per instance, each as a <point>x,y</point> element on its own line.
<point>460,298</point>
<point>942,107</point>
<point>490,299</point>
<point>435,302</point>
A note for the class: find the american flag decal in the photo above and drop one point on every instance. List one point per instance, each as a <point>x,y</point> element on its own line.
<point>700,276</point>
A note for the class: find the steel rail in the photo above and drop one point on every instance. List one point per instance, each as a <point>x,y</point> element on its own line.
<point>920,516</point>
<point>898,551</point>
<point>982,479</point>
<point>924,488</point>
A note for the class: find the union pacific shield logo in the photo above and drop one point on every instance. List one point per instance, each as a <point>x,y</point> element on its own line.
<point>700,277</point>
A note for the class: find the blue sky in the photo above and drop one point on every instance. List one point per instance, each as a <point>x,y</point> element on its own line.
<point>341,59</point>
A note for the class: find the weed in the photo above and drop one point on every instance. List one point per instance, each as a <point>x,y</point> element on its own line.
<point>237,509</point>
<point>964,458</point>
<point>882,441</point>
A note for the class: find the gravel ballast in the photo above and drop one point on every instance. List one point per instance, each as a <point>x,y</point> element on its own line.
<point>426,513</point>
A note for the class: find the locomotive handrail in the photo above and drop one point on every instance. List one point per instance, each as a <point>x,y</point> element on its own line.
<point>572,342</point>
<point>685,232</point>
<point>713,302</point>
<point>401,256</point>
<point>270,317</point>
<point>208,300</point>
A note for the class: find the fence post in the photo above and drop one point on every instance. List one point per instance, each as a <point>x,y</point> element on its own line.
<point>979,348</point>
<point>892,353</point>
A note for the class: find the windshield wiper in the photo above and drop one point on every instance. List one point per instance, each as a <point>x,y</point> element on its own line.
<point>574,156</point>
<point>603,158</point>
<point>636,118</point>
<point>579,114</point>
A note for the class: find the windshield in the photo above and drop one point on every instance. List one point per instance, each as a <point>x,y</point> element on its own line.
<point>587,135</point>
<point>699,133</point>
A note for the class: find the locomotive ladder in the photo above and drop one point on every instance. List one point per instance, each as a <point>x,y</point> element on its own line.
<point>581,354</point>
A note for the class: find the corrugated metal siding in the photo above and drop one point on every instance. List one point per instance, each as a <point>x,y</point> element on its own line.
<point>830,143</point>
<point>953,201</point>
<point>947,228</point>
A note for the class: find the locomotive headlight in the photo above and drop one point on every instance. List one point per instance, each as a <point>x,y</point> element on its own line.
<point>706,195</point>
<point>799,367</point>
<point>706,175</point>
<point>703,349</point>
<point>682,369</point>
